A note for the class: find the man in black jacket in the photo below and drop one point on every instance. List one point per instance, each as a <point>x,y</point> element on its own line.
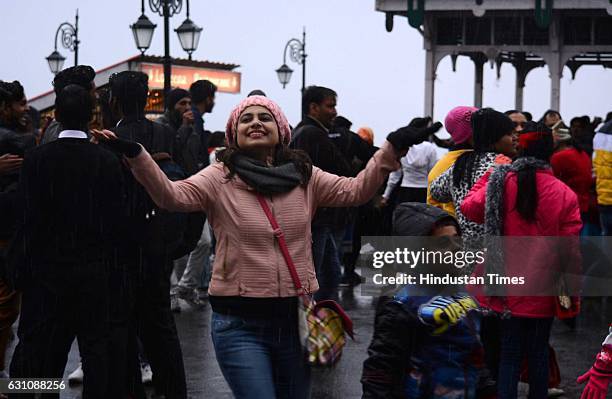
<point>312,136</point>
<point>150,265</point>
<point>63,257</point>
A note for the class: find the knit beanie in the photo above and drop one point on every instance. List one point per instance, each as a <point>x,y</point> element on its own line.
<point>174,96</point>
<point>367,134</point>
<point>458,123</point>
<point>284,130</point>
<point>418,219</point>
<point>488,127</point>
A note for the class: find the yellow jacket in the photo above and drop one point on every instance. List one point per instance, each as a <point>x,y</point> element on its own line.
<point>440,167</point>
<point>602,164</point>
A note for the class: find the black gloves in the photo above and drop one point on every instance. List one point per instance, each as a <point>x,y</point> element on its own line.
<point>405,137</point>
<point>434,128</point>
<point>128,148</point>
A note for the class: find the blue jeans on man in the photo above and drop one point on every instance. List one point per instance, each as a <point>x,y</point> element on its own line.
<point>326,262</point>
<point>605,216</point>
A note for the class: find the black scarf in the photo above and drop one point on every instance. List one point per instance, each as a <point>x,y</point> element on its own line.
<point>267,179</point>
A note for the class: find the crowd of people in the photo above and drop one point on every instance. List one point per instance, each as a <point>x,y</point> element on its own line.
<point>106,229</point>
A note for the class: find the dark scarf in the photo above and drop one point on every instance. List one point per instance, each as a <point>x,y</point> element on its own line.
<point>267,179</point>
<point>495,192</point>
<point>494,215</point>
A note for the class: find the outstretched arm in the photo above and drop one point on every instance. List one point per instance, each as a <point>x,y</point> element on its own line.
<point>332,190</point>
<point>189,195</point>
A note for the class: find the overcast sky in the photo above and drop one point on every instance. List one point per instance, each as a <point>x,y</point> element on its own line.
<point>378,75</point>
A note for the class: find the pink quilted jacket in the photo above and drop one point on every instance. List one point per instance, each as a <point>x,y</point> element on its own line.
<point>248,260</point>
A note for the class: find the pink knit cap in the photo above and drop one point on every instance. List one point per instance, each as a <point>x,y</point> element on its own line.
<point>284,130</point>
<point>458,123</point>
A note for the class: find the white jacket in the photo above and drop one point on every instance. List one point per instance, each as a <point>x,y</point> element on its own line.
<point>416,165</point>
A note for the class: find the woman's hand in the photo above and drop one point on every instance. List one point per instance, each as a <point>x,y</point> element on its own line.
<point>407,136</point>
<point>102,135</point>
<point>128,148</point>
<point>10,163</point>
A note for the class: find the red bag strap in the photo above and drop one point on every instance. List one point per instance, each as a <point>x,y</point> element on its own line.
<point>280,236</point>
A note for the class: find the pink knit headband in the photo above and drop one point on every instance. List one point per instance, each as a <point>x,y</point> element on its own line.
<point>284,130</point>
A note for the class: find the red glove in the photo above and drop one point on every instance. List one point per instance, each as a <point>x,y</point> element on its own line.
<point>597,385</point>
<point>599,376</point>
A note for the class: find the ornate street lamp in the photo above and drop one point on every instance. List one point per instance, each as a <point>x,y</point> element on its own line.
<point>70,41</point>
<point>284,74</point>
<point>297,55</point>
<point>143,32</point>
<point>188,33</point>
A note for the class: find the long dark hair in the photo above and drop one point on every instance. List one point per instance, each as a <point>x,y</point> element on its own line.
<point>488,126</point>
<point>527,191</point>
<point>282,155</point>
<point>464,167</point>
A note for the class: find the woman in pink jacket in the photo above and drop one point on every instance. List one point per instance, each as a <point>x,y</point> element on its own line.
<point>525,199</point>
<point>254,321</point>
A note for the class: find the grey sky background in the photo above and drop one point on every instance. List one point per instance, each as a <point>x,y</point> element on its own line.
<point>379,76</point>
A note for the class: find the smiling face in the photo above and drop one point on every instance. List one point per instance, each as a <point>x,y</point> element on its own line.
<point>257,130</point>
<point>13,112</point>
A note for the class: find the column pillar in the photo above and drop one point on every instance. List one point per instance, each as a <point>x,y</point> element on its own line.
<point>521,76</point>
<point>430,81</point>
<point>518,94</point>
<point>556,73</point>
<point>479,60</point>
<point>555,66</point>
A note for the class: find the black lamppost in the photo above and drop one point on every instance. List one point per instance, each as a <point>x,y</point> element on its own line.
<point>297,55</point>
<point>70,41</point>
<point>188,32</point>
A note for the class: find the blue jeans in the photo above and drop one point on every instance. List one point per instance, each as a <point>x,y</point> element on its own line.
<point>326,262</point>
<point>605,216</point>
<point>261,358</point>
<point>523,336</point>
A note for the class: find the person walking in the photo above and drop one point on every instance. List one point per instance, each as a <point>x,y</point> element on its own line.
<point>526,199</point>
<point>254,303</point>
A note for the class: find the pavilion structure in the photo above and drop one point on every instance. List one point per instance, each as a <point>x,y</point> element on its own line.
<point>525,33</point>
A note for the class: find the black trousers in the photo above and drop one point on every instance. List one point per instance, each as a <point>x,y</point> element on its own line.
<point>76,304</point>
<point>156,329</point>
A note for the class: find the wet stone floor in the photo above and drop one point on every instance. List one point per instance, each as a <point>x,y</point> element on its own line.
<point>575,351</point>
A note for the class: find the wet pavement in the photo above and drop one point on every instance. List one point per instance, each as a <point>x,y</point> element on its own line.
<point>575,351</point>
